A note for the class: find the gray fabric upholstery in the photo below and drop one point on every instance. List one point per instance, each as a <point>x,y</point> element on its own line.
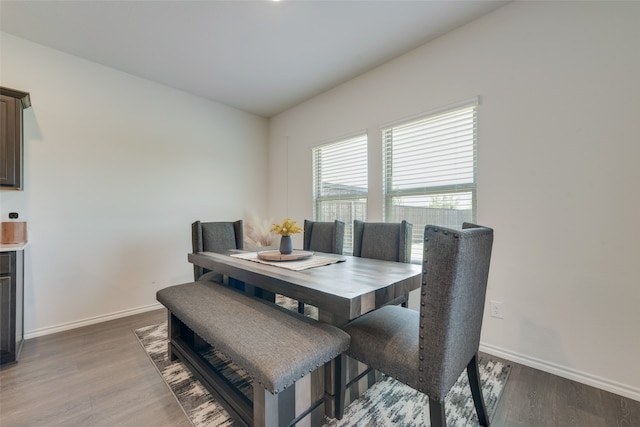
<point>429,350</point>
<point>387,241</point>
<point>327,237</point>
<point>273,345</point>
<point>387,340</point>
<point>215,237</point>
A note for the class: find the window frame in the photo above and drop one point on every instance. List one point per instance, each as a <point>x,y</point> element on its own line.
<point>390,194</point>
<point>356,212</point>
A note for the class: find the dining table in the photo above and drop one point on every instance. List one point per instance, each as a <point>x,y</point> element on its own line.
<point>342,287</point>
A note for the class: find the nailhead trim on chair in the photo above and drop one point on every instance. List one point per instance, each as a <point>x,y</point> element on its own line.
<point>423,293</point>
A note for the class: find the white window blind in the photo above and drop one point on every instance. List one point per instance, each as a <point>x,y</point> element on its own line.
<point>340,183</point>
<point>430,171</point>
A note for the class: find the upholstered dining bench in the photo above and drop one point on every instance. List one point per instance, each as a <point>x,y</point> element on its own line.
<point>282,351</point>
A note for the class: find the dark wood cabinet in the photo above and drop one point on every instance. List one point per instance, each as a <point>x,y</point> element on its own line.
<point>12,102</point>
<point>11,306</point>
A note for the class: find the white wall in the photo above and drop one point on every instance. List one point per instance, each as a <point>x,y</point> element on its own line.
<point>558,174</point>
<point>116,169</point>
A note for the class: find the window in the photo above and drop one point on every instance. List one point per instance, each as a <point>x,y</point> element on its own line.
<point>340,183</point>
<point>430,171</point>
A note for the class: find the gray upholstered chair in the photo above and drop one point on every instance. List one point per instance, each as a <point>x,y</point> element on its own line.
<point>327,237</point>
<point>214,237</point>
<point>429,350</point>
<point>388,241</point>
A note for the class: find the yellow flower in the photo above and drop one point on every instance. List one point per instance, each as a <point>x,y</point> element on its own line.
<point>287,228</point>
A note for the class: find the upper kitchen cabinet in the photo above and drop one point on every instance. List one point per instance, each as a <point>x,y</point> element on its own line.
<point>12,102</point>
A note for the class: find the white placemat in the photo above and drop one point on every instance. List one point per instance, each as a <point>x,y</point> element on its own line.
<point>303,264</point>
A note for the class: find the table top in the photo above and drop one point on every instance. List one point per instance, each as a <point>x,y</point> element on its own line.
<point>341,291</point>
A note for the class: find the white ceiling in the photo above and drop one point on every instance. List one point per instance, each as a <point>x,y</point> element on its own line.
<point>258,56</point>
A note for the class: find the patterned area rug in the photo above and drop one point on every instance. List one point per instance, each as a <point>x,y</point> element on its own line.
<point>388,403</point>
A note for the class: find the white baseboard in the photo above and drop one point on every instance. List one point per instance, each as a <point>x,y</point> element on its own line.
<point>532,362</point>
<point>565,372</point>
<point>90,321</point>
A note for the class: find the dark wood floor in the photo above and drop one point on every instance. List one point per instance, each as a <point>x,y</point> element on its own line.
<point>99,375</point>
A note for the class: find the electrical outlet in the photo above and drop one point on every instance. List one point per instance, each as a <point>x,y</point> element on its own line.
<point>496,309</point>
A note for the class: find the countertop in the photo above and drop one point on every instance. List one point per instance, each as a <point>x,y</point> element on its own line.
<point>13,247</point>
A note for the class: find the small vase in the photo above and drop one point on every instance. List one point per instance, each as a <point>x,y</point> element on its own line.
<point>286,245</point>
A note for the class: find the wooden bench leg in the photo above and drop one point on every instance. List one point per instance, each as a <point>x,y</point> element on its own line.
<point>177,329</point>
<point>341,384</point>
<point>301,404</point>
<point>272,410</point>
<point>173,332</point>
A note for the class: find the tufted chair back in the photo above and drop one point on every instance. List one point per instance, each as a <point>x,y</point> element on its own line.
<point>327,237</point>
<point>388,241</point>
<point>215,237</point>
<point>455,273</point>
